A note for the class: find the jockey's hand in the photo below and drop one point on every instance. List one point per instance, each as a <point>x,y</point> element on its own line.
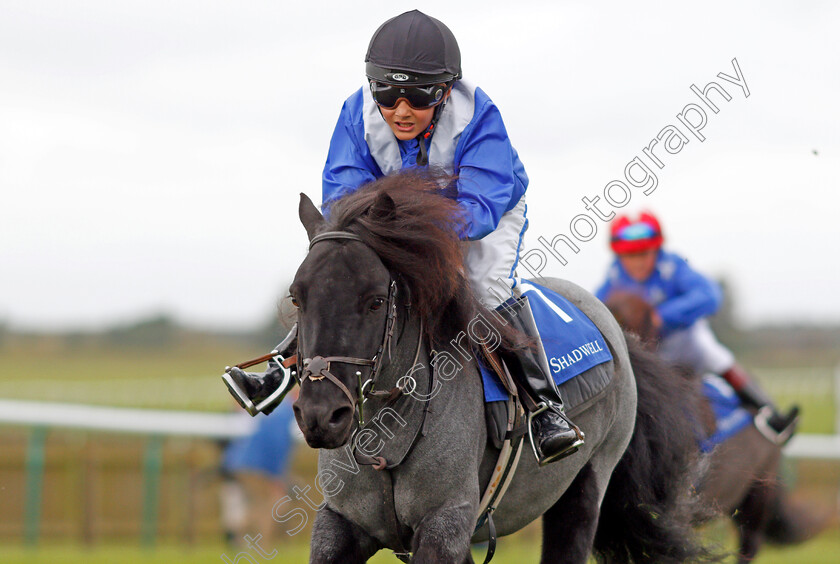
<point>656,319</point>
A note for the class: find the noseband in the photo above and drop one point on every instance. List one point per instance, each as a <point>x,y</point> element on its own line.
<point>318,368</point>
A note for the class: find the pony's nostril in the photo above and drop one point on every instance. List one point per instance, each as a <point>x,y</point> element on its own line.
<point>340,415</point>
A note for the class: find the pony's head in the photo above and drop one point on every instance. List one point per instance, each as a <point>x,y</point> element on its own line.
<point>634,314</point>
<point>395,236</point>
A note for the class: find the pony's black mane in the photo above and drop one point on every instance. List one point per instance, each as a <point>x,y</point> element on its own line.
<point>414,229</point>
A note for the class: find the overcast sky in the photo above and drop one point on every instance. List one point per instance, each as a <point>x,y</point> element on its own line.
<point>151,153</point>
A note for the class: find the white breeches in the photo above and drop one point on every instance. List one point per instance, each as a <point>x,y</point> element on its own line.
<point>491,261</point>
<point>697,347</point>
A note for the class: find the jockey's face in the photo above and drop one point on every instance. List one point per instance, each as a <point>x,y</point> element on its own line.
<point>639,266</point>
<point>406,122</point>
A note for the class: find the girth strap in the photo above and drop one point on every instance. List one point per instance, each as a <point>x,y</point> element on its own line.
<point>390,509</point>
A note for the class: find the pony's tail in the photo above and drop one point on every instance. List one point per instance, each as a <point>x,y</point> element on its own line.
<point>650,506</point>
<point>794,521</point>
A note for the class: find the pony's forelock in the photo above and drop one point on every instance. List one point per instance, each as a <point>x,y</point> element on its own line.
<point>419,243</point>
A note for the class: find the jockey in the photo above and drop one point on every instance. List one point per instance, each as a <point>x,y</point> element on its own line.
<point>682,299</point>
<point>415,111</point>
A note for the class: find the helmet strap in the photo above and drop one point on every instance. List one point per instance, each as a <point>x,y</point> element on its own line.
<point>423,153</point>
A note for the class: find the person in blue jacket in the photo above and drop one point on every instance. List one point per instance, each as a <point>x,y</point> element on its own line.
<point>415,110</point>
<point>257,466</point>
<point>683,299</point>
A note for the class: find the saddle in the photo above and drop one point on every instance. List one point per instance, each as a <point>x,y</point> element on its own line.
<point>730,417</point>
<point>578,394</point>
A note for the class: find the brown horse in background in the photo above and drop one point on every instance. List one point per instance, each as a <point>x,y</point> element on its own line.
<point>743,480</point>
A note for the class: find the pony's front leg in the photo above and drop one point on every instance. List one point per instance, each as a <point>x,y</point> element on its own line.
<point>337,540</point>
<point>444,535</point>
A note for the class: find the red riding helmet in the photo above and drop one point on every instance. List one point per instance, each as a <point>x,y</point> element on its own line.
<point>634,236</point>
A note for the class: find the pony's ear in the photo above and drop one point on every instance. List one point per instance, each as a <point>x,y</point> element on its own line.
<point>383,207</point>
<point>310,217</point>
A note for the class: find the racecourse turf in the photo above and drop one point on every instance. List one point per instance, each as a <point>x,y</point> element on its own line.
<point>189,379</point>
<point>825,549</point>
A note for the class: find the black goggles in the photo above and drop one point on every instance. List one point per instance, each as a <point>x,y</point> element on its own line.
<point>418,97</point>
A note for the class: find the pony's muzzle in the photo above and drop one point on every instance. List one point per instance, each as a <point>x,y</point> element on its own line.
<point>324,424</point>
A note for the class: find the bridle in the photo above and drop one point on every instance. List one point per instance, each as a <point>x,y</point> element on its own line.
<point>318,368</point>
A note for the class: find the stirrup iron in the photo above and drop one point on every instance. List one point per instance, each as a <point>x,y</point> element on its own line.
<point>245,402</point>
<point>542,459</point>
<point>286,384</point>
<point>761,420</point>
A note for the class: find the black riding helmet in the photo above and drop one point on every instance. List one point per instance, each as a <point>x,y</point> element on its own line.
<point>413,49</point>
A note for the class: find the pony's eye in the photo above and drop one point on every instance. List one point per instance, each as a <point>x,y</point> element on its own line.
<point>377,304</point>
<point>294,301</point>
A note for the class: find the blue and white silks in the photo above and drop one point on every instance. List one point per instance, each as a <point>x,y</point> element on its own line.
<point>470,141</point>
<point>683,298</point>
<point>680,294</point>
<point>571,341</point>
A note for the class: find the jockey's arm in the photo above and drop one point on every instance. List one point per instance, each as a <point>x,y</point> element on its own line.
<point>491,179</point>
<point>696,297</point>
<point>606,288</point>
<point>349,163</point>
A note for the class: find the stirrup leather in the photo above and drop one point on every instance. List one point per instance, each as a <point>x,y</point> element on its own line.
<point>543,459</point>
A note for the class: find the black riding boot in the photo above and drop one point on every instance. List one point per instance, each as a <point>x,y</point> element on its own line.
<point>553,435</point>
<point>262,392</point>
<point>776,426</point>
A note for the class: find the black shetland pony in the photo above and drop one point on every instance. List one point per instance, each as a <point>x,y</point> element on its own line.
<point>404,466</point>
